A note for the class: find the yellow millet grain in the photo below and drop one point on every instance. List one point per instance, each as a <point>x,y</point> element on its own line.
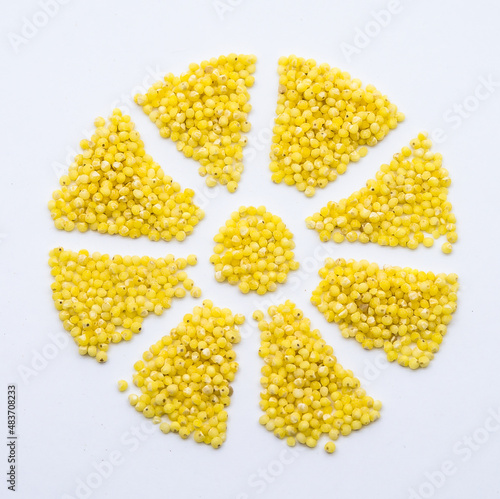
<point>402,310</point>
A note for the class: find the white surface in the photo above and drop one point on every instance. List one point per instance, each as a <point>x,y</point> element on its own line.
<point>88,58</point>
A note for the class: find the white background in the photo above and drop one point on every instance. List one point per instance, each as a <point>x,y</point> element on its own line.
<point>91,56</point>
